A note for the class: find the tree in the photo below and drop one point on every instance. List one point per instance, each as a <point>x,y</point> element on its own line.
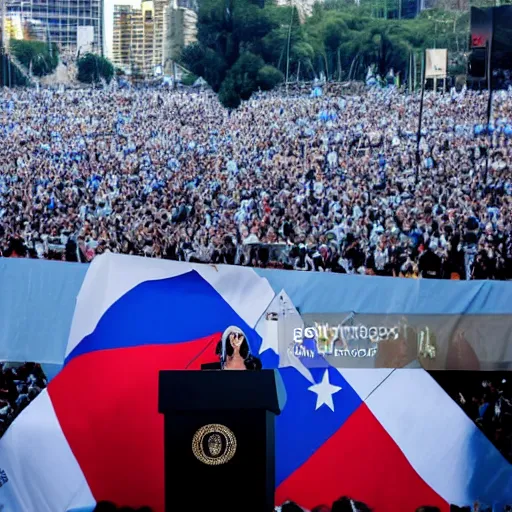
<point>228,95</point>
<point>244,74</point>
<point>188,79</point>
<point>269,77</point>
<point>93,69</point>
<point>239,40</point>
<point>36,56</point>
<point>231,44</point>
<point>10,75</point>
<point>206,63</point>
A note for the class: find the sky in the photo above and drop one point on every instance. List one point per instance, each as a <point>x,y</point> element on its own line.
<point>109,20</point>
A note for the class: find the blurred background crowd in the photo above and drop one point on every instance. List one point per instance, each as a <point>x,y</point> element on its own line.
<point>343,504</point>
<point>321,184</point>
<point>19,385</point>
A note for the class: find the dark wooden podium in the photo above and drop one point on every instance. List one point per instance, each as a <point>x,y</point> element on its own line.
<point>219,439</point>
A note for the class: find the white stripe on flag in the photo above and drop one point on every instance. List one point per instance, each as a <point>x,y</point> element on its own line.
<point>440,441</point>
<point>364,382</point>
<point>43,474</point>
<point>110,276</point>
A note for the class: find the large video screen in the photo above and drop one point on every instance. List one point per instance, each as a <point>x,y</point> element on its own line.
<point>481,27</point>
<point>502,38</point>
<point>495,23</point>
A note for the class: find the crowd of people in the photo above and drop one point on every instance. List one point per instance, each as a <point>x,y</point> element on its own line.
<point>486,397</point>
<point>330,183</point>
<point>346,504</point>
<point>343,504</point>
<point>490,406</point>
<point>19,385</point>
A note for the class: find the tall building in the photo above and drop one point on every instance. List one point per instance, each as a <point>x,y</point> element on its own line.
<point>148,37</point>
<point>127,39</point>
<point>159,8</point>
<point>138,37</point>
<point>69,23</point>
<point>180,31</point>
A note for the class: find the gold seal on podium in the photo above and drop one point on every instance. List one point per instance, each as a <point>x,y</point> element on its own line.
<point>214,444</point>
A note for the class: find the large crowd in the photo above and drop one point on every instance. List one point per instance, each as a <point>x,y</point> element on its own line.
<point>343,504</point>
<point>331,183</point>
<point>486,397</point>
<point>19,385</point>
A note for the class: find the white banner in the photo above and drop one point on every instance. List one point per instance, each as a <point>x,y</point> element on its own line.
<point>437,63</point>
<point>85,39</point>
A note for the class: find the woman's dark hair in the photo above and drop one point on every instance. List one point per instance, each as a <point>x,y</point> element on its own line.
<point>253,363</point>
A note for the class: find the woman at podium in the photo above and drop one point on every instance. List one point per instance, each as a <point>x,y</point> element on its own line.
<point>234,352</point>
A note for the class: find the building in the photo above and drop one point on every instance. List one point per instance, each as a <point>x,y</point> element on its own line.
<point>138,37</point>
<point>2,24</point>
<point>127,39</point>
<point>63,22</point>
<point>180,31</point>
<point>159,8</point>
<point>148,49</point>
<point>134,39</point>
<point>13,27</point>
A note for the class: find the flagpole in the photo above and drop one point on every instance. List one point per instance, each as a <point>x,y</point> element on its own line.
<point>288,47</point>
<point>489,104</point>
<point>418,160</point>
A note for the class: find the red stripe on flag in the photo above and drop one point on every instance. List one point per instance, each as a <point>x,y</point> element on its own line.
<point>363,462</point>
<point>107,405</point>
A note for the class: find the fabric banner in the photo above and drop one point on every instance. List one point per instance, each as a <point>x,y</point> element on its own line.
<point>439,317</point>
<point>85,39</point>
<point>95,433</point>
<point>437,63</point>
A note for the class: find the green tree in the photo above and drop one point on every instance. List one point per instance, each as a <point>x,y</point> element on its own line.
<point>228,95</point>
<point>36,56</point>
<point>237,38</point>
<point>269,77</point>
<point>206,63</point>
<point>10,75</point>
<point>93,69</point>
<point>244,74</point>
<point>188,79</point>
<point>232,45</point>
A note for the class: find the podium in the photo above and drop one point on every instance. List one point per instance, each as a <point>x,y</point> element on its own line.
<point>219,439</point>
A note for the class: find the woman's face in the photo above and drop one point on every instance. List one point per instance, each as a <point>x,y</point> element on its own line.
<point>236,339</point>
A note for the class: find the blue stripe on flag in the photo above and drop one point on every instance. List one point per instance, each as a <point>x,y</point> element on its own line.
<point>174,310</point>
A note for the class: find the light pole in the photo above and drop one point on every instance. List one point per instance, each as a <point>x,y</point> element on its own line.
<point>288,46</point>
